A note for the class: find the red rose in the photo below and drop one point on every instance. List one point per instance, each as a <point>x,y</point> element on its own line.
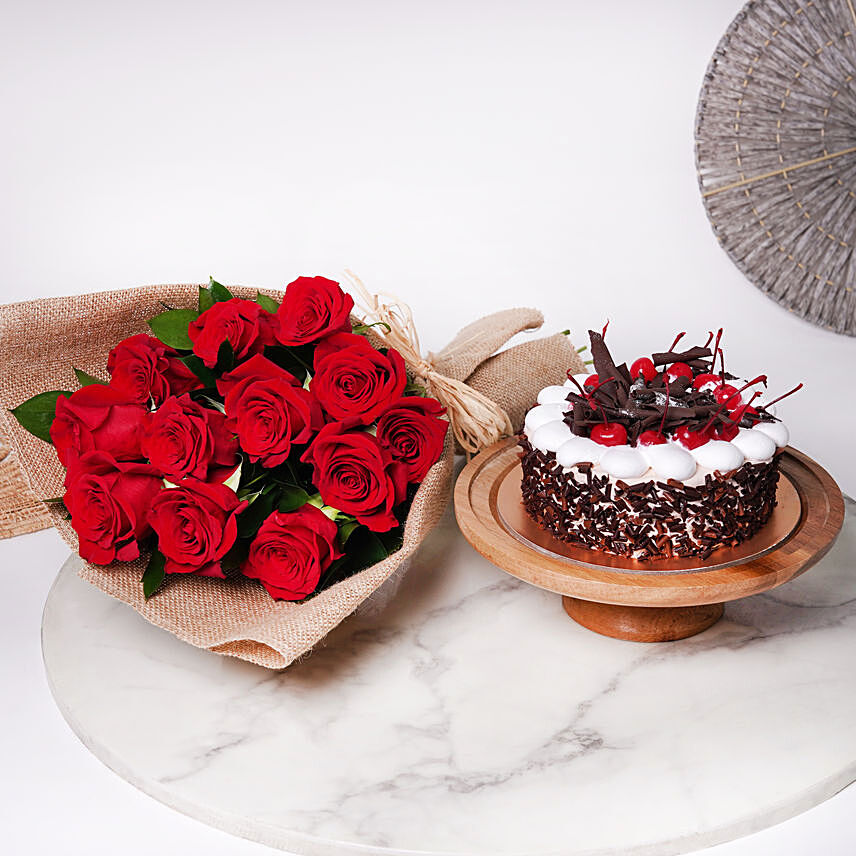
<point>255,368</point>
<point>196,526</point>
<point>291,551</point>
<point>269,410</point>
<point>313,307</point>
<point>353,381</point>
<point>144,368</point>
<point>183,438</point>
<point>97,417</point>
<point>414,434</point>
<point>242,323</point>
<point>108,502</point>
<point>355,474</point>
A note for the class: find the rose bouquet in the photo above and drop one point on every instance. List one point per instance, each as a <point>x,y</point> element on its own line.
<point>272,439</point>
<point>245,438</point>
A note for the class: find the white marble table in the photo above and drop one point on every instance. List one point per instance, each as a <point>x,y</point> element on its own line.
<point>465,713</point>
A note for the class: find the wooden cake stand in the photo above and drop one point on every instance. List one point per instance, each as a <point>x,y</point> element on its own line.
<point>655,601</point>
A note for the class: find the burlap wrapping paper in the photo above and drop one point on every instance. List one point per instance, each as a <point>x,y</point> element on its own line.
<point>40,342</point>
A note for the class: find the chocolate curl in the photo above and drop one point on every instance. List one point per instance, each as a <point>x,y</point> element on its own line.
<point>476,420</point>
<point>613,380</point>
<point>671,356</point>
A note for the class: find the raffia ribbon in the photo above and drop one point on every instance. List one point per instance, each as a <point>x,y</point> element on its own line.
<point>476,420</point>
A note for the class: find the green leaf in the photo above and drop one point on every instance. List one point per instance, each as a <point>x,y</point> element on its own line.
<point>373,550</point>
<point>201,371</point>
<point>171,327</point>
<point>365,549</point>
<point>291,473</point>
<point>36,414</point>
<point>251,518</point>
<point>337,570</point>
<point>292,498</point>
<point>225,357</point>
<point>214,403</point>
<point>154,575</point>
<point>235,557</point>
<point>296,360</point>
<point>359,329</point>
<point>235,479</point>
<point>392,540</point>
<point>85,379</point>
<point>414,388</point>
<point>267,303</point>
<point>346,530</point>
<point>219,292</point>
<point>206,299</point>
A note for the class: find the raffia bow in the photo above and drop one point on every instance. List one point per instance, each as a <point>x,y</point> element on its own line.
<point>476,420</point>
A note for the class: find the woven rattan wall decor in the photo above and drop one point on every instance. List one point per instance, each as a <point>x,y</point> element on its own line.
<point>776,153</point>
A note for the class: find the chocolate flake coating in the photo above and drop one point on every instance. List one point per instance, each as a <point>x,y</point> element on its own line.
<point>651,519</point>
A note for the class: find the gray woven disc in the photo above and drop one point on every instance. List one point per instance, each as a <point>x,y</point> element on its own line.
<point>776,153</point>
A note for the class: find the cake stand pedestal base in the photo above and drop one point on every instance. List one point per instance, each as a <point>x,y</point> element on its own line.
<point>661,600</point>
<point>643,623</point>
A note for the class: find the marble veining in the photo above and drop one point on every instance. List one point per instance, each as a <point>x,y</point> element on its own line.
<point>461,712</point>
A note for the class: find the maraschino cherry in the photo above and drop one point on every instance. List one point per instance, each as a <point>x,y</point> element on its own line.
<point>652,438</point>
<point>724,392</point>
<point>704,379</point>
<point>729,397</point>
<point>726,431</point>
<point>609,434</point>
<point>691,439</point>
<point>643,366</point>
<point>677,370</point>
<point>592,381</point>
<point>745,411</point>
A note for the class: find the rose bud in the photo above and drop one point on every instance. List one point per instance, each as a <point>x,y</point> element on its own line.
<point>414,434</point>
<point>291,551</point>
<point>145,369</point>
<point>108,502</point>
<point>196,526</point>
<point>269,410</point>
<point>313,307</point>
<point>355,474</point>
<point>354,382</point>
<point>242,323</point>
<point>97,417</point>
<point>183,438</point>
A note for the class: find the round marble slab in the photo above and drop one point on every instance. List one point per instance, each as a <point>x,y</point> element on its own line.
<point>467,714</point>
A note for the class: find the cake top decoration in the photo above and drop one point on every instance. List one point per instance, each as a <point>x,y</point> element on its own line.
<point>684,395</point>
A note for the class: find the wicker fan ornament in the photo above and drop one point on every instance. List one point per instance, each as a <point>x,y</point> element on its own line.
<point>776,153</point>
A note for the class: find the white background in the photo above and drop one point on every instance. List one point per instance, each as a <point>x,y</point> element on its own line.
<point>469,156</point>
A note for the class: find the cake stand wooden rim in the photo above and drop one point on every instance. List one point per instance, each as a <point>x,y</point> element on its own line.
<point>820,522</point>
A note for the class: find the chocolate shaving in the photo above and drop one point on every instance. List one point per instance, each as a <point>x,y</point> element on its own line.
<point>663,357</point>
